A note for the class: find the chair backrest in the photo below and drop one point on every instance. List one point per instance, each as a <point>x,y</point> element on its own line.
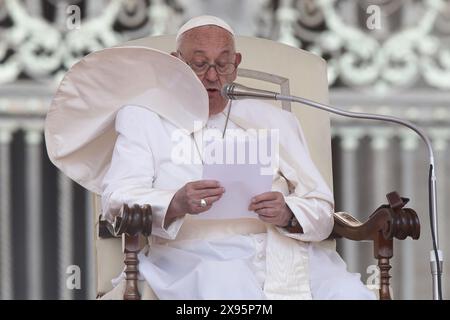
<point>267,65</point>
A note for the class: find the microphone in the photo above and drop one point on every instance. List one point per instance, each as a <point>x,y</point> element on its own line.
<point>236,91</point>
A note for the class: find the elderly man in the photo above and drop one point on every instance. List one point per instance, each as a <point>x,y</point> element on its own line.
<point>276,256</point>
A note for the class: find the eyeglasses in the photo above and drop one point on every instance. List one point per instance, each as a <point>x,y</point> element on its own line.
<point>201,68</point>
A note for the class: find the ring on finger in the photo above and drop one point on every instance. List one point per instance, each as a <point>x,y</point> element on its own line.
<point>203,203</point>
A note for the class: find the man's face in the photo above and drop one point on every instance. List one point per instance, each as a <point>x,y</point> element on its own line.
<point>211,45</point>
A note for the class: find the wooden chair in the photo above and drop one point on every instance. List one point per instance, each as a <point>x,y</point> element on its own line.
<point>273,66</point>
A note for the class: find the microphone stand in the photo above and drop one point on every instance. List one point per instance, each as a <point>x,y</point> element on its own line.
<point>236,91</point>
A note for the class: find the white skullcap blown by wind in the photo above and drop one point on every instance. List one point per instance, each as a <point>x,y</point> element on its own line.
<point>204,21</point>
<point>80,124</point>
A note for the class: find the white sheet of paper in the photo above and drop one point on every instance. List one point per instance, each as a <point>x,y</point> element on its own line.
<point>241,183</point>
<point>242,179</point>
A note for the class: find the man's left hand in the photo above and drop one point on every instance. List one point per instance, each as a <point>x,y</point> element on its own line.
<point>271,208</point>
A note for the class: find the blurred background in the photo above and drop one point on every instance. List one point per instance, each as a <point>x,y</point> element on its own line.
<point>384,56</point>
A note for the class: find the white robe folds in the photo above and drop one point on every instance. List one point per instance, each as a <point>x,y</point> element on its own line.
<point>232,258</point>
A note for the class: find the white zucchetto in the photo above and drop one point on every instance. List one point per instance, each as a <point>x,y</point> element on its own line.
<point>201,21</point>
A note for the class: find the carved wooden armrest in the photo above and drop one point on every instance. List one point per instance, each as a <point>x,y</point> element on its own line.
<point>130,224</point>
<point>387,222</point>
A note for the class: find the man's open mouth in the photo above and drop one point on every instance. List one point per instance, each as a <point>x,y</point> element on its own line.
<point>212,90</point>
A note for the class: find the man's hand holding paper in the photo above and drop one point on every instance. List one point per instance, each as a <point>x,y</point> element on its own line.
<point>271,208</point>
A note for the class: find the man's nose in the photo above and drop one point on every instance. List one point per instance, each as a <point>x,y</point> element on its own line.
<point>211,74</point>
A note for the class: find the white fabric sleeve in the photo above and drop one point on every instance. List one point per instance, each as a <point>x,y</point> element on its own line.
<point>311,200</point>
<point>315,217</point>
<point>130,177</point>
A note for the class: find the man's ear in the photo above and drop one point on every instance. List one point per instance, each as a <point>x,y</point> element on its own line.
<point>238,59</point>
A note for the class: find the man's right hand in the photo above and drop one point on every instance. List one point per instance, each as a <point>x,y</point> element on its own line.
<point>187,199</point>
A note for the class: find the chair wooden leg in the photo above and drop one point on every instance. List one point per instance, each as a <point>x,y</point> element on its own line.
<point>131,249</point>
<point>384,266</point>
<point>384,252</point>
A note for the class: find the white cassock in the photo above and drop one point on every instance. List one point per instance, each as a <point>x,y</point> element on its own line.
<point>232,258</point>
